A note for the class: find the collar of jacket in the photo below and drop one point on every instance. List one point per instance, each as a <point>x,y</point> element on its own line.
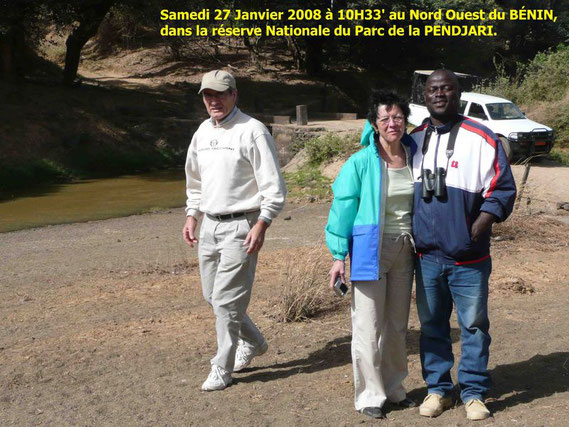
<point>446,127</point>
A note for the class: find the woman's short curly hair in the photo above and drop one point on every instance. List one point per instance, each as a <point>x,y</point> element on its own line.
<point>387,98</point>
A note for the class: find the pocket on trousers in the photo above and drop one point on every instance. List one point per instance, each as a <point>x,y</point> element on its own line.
<point>242,228</point>
<point>203,227</point>
<point>233,256</point>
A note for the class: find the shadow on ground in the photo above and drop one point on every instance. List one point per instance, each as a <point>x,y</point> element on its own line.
<point>514,384</point>
<point>521,382</point>
<point>334,353</point>
<point>535,378</point>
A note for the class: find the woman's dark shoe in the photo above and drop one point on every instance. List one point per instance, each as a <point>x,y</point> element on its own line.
<point>373,411</point>
<point>406,403</point>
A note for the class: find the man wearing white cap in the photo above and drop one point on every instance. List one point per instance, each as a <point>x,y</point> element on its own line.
<point>233,177</point>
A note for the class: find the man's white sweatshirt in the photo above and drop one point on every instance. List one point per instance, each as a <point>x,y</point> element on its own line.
<point>233,167</point>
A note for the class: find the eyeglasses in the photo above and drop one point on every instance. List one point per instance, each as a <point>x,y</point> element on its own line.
<point>384,121</point>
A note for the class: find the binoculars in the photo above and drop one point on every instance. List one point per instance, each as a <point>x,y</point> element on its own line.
<point>434,183</point>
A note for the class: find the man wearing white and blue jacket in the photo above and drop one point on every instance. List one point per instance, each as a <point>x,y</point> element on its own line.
<point>463,184</point>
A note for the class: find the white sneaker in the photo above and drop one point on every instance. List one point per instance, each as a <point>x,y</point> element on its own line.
<point>218,379</point>
<point>245,353</point>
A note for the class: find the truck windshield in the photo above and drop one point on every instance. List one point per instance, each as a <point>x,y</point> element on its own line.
<point>504,111</point>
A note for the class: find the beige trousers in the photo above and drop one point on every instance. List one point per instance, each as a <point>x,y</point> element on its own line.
<point>380,313</point>
<point>227,274</point>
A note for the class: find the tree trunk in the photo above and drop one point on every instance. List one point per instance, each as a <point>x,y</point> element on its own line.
<point>89,20</point>
<point>254,51</point>
<point>314,58</point>
<point>14,54</point>
<point>295,51</point>
<point>6,57</point>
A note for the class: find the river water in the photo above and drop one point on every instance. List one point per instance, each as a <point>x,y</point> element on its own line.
<point>94,199</point>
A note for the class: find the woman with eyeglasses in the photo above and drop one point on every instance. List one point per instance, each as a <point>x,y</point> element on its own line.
<point>370,221</point>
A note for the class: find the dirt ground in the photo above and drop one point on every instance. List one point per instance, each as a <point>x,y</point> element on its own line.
<point>103,323</point>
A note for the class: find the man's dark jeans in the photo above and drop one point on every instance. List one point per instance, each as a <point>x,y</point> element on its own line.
<point>438,286</point>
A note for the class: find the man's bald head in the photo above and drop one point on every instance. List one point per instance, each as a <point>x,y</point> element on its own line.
<point>447,73</point>
<point>442,96</point>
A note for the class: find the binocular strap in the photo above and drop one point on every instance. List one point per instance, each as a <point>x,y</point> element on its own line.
<point>450,145</point>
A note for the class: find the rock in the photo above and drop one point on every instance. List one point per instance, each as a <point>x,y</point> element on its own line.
<point>516,285</point>
<point>500,238</point>
<point>331,170</point>
<point>298,161</point>
<point>563,205</point>
<point>287,218</point>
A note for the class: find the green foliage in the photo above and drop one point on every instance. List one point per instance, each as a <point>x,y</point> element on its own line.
<point>560,155</point>
<point>557,117</point>
<point>502,85</point>
<point>547,76</point>
<point>544,80</point>
<point>308,182</point>
<point>17,176</point>
<point>331,145</point>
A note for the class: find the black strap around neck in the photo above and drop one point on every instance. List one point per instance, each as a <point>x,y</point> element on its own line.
<point>450,145</point>
<point>451,141</point>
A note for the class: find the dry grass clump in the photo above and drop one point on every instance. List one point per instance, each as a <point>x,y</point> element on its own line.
<point>515,285</point>
<point>545,234</point>
<point>305,293</point>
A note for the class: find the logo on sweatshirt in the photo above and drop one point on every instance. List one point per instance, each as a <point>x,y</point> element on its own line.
<point>454,164</point>
<point>213,145</point>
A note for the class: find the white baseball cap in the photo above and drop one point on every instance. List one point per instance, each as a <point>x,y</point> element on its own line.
<point>217,80</point>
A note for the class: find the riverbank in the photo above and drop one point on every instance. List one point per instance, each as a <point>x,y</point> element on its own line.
<point>91,200</point>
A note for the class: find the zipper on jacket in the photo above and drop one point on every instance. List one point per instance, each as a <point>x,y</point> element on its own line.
<point>382,198</point>
<point>432,230</point>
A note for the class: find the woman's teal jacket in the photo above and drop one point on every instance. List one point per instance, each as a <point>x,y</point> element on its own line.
<point>357,214</point>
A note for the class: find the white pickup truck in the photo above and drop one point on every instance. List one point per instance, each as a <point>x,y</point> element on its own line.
<point>520,136</point>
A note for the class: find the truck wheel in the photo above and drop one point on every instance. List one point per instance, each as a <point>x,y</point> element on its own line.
<point>507,147</point>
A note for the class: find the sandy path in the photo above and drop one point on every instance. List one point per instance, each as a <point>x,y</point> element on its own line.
<point>548,183</point>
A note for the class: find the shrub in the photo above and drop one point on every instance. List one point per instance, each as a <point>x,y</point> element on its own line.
<point>308,181</point>
<point>557,117</point>
<point>305,293</point>
<point>502,85</point>
<point>17,176</point>
<point>547,76</point>
<point>330,145</point>
<point>561,156</point>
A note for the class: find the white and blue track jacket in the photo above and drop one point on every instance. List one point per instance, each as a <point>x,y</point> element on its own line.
<point>478,178</point>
